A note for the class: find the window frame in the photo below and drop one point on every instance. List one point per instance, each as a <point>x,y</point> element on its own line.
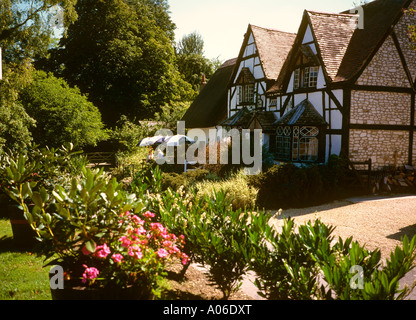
<point>298,143</point>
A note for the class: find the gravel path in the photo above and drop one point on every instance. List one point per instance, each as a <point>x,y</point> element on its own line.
<point>376,222</point>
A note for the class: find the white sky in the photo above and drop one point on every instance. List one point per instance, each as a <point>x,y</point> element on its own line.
<point>223,23</point>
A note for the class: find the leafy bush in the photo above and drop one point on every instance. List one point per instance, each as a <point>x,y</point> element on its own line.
<point>287,185</point>
<point>62,114</point>
<point>187,179</point>
<point>40,167</point>
<point>239,193</point>
<point>93,227</point>
<point>308,264</point>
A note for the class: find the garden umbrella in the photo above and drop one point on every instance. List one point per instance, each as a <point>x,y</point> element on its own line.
<point>177,140</point>
<point>150,141</point>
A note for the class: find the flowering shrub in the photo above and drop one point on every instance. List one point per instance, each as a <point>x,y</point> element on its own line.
<point>134,254</point>
<point>101,235</point>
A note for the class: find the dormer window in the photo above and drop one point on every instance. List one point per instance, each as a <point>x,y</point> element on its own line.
<point>306,69</point>
<point>246,94</point>
<point>245,87</point>
<point>306,77</point>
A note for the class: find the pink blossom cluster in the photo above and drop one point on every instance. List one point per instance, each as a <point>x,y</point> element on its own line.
<point>142,235</point>
<point>89,273</point>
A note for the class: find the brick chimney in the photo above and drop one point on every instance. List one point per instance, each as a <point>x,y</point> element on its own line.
<point>203,83</point>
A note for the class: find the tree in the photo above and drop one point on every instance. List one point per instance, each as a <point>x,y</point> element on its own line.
<point>25,32</point>
<point>191,44</point>
<point>126,64</point>
<point>191,61</point>
<point>412,28</point>
<point>62,114</point>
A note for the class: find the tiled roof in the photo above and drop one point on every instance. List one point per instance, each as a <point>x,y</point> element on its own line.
<point>240,119</point>
<point>266,119</point>
<point>304,114</point>
<point>273,47</point>
<point>333,33</point>
<point>379,16</point>
<point>210,106</point>
<point>344,49</point>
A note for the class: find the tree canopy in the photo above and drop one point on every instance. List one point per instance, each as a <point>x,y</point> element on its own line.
<point>25,33</point>
<point>191,61</point>
<point>62,114</point>
<point>121,53</point>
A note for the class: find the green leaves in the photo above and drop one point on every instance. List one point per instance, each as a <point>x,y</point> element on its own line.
<point>290,264</point>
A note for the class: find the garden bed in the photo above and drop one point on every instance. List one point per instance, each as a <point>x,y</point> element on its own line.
<point>195,286</point>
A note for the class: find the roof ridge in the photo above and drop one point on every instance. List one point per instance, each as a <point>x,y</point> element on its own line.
<point>271,29</point>
<point>332,13</point>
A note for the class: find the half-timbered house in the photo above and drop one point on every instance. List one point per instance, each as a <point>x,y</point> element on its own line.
<point>258,65</point>
<point>335,87</point>
<point>360,82</point>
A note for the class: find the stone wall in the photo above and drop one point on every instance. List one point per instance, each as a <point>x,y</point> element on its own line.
<point>401,32</point>
<point>368,107</point>
<point>385,69</point>
<point>384,147</point>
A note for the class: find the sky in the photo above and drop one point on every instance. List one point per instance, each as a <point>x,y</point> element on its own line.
<point>223,23</point>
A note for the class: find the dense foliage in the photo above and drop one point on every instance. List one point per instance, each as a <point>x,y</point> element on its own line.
<point>62,114</point>
<point>25,33</point>
<point>121,54</point>
<point>291,186</point>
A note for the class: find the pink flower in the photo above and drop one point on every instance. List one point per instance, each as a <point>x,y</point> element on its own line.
<point>185,258</point>
<point>167,243</point>
<point>156,226</point>
<point>139,254</point>
<point>125,241</point>
<point>149,214</point>
<point>135,251</point>
<point>102,251</point>
<point>137,219</point>
<point>117,257</point>
<point>89,273</point>
<point>140,230</point>
<point>162,253</point>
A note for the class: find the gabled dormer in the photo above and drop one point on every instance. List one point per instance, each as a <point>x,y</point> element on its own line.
<point>261,57</point>
<point>306,69</point>
<point>317,53</point>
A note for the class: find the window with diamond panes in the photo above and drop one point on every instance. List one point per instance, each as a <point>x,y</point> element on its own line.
<point>308,144</point>
<point>283,135</point>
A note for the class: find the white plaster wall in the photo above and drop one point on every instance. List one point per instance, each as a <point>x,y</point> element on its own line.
<point>308,35</point>
<point>336,119</point>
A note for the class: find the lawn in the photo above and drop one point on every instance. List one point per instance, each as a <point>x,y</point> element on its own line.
<point>21,274</point>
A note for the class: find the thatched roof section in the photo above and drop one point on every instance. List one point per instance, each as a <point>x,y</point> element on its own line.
<point>210,106</point>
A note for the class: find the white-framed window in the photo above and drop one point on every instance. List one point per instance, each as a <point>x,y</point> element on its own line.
<point>306,77</point>
<point>246,93</point>
<point>313,76</point>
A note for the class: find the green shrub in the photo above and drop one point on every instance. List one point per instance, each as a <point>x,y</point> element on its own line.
<point>187,179</point>
<point>308,264</point>
<point>62,113</point>
<point>289,186</point>
<point>240,194</point>
<point>182,213</point>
